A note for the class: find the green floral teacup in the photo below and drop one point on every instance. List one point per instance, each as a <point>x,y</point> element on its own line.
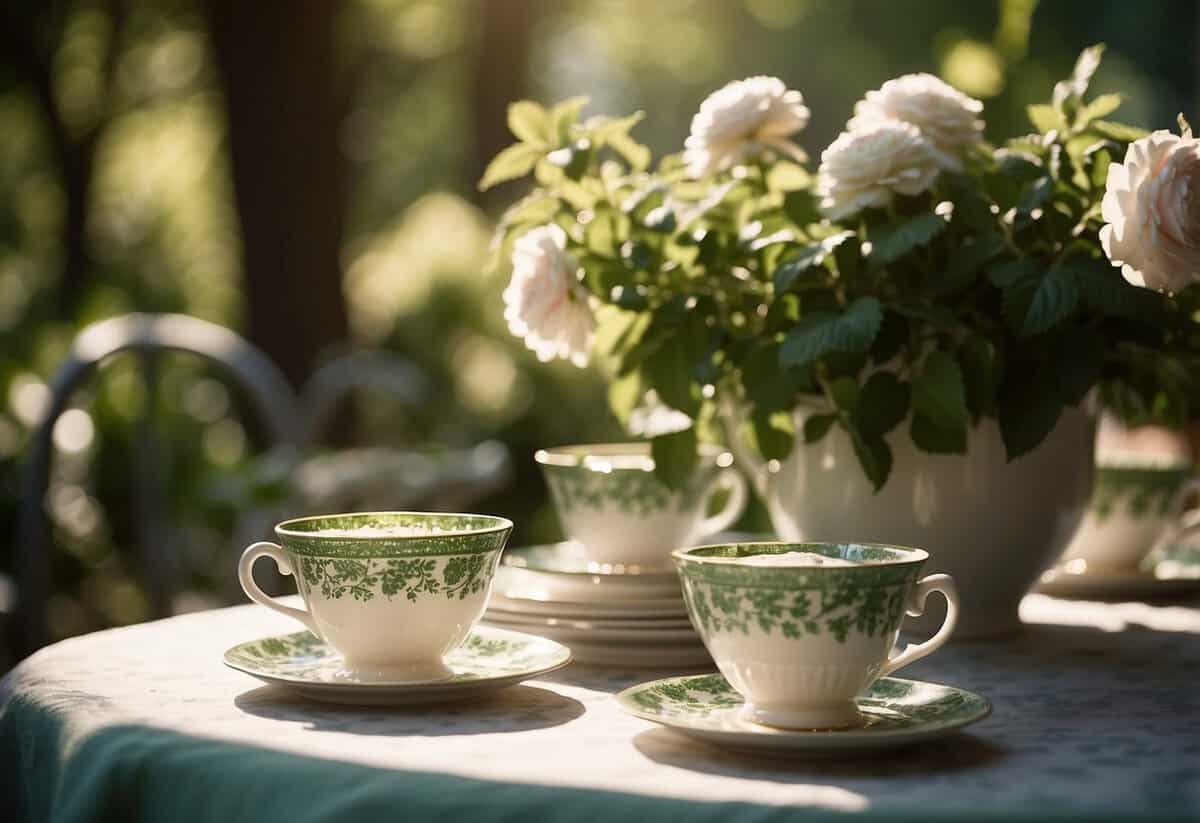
<point>610,502</point>
<point>802,629</point>
<point>392,592</point>
<point>1135,505</point>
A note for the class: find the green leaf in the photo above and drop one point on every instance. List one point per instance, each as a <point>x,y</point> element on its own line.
<point>768,387</point>
<point>1104,289</point>
<point>817,426</point>
<point>1085,67</point>
<point>529,122</point>
<point>624,394</point>
<point>964,264</point>
<point>562,116</point>
<point>801,207</point>
<point>882,403</point>
<point>1007,272</point>
<point>1077,360</point>
<point>980,369</point>
<point>821,333</point>
<point>1096,160</point>
<point>1020,165</point>
<point>515,161</point>
<point>938,392</point>
<point>675,457</point>
<point>873,453</point>
<point>890,242</point>
<point>844,392</point>
<point>1033,305</point>
<point>635,154</point>
<point>1045,118</point>
<point>1028,409</point>
<point>1116,131</point>
<point>1102,106</point>
<point>934,439</point>
<point>772,434</point>
<point>1036,195</point>
<point>1184,125</point>
<point>805,258</point>
<point>666,369</point>
<point>892,337</point>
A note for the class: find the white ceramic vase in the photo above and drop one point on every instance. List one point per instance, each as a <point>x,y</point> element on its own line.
<point>993,525</point>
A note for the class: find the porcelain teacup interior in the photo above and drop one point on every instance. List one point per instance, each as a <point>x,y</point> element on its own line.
<point>392,592</point>
<point>611,503</point>
<point>802,629</point>
<point>1135,505</point>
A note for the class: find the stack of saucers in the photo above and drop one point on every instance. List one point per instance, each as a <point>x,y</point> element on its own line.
<point>609,615</point>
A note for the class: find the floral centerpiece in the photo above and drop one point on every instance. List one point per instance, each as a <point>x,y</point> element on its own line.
<point>920,276</point>
<point>882,338</point>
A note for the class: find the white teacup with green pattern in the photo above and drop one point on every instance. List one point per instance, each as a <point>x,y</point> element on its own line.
<point>800,641</point>
<point>610,502</point>
<point>392,592</point>
<point>1135,505</point>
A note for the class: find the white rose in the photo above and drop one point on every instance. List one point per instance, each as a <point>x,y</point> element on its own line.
<point>743,118</point>
<point>867,167</point>
<point>948,118</point>
<point>544,303</point>
<point>1152,210</point>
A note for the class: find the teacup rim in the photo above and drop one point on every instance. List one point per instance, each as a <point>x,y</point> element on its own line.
<point>684,555</point>
<point>284,528</point>
<point>1133,462</point>
<point>574,455</point>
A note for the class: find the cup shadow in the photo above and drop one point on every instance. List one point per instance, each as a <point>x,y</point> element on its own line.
<point>515,709</point>
<point>956,753</point>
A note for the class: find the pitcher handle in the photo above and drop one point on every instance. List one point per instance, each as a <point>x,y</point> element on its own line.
<point>915,608</point>
<point>735,482</point>
<point>246,578</point>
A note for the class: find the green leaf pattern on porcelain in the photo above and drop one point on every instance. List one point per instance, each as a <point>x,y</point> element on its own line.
<point>430,535</point>
<point>889,704</point>
<point>629,491</point>
<point>799,601</point>
<point>304,656</point>
<point>697,695</point>
<point>836,609</point>
<point>453,577</point>
<point>1145,492</point>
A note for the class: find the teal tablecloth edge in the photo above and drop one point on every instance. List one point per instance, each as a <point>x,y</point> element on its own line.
<point>129,773</point>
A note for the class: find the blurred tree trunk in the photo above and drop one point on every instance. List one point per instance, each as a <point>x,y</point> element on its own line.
<point>32,32</point>
<point>501,71</point>
<point>277,72</point>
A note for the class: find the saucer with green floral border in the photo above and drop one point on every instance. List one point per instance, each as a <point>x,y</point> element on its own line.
<point>897,712</point>
<point>489,659</point>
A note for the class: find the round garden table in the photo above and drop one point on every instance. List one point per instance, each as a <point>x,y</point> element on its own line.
<point>1097,716</point>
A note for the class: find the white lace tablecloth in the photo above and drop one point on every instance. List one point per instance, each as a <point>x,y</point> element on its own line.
<point>1097,715</point>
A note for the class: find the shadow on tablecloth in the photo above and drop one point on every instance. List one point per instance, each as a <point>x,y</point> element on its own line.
<point>516,709</point>
<point>958,752</point>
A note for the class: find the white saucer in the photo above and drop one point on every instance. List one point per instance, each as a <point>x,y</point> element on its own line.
<point>1112,585</point>
<point>489,659</point>
<point>581,588</point>
<point>566,559</point>
<point>663,607</point>
<point>530,622</point>
<point>898,713</point>
<point>597,636</point>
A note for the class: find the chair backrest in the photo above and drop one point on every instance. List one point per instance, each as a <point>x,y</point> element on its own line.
<point>272,399</point>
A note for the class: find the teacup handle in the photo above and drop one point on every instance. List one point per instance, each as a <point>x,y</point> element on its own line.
<point>733,480</point>
<point>943,583</point>
<point>1188,521</point>
<point>246,578</point>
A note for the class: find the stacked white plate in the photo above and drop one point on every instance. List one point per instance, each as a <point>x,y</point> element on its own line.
<point>624,616</point>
